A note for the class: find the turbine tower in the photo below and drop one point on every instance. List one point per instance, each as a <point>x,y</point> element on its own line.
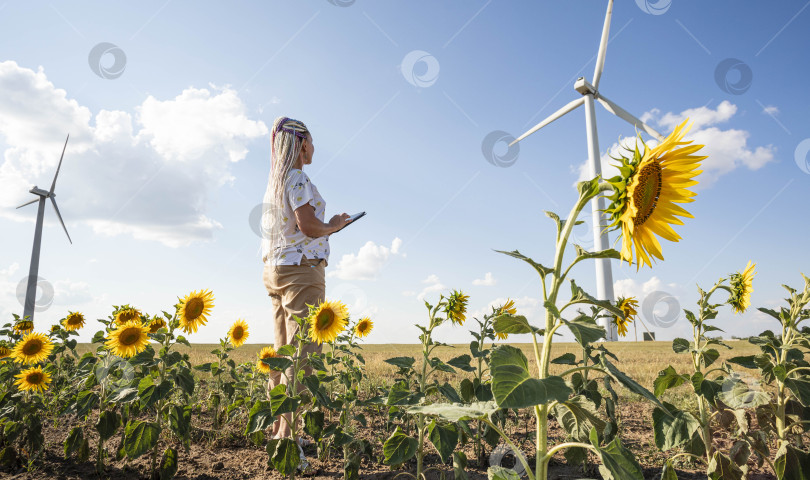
<point>590,92</point>
<point>30,294</point>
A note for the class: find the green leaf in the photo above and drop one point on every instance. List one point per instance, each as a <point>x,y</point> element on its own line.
<point>286,351</point>
<point>73,441</point>
<point>723,468</point>
<point>618,463</point>
<point>401,362</point>
<point>460,466</point>
<point>85,401</point>
<point>800,388</point>
<point>401,394</point>
<point>278,364</point>
<point>182,340</point>
<point>514,387</point>
<point>668,472</point>
<point>668,378</point>
<point>286,459</point>
<point>566,359</point>
<point>399,448</point>
<point>467,390</point>
<point>496,472</point>
<point>578,295</point>
<point>444,437</point>
<point>680,345</point>
<point>140,437</point>
<point>583,254</point>
<point>543,271</point>
<point>462,362</point>
<point>150,393</point>
<point>180,420</point>
<point>449,393</point>
<point>313,424</point>
<point>279,401</point>
<point>453,412</point>
<point>168,465</point>
<point>108,422</point>
<point>742,392</point>
<point>629,383</point>
<point>585,330</point>
<point>185,380</point>
<point>674,428</point>
<point>746,361</point>
<point>792,463</point>
<point>578,416</point>
<point>508,323</point>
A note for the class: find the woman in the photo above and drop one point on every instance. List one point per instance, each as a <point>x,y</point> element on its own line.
<point>295,247</point>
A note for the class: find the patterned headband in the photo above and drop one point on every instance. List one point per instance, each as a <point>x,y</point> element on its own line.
<point>288,130</point>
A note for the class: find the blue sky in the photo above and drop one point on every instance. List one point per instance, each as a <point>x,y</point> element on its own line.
<point>168,159</point>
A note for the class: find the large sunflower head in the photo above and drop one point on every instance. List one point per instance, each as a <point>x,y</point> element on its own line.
<point>194,310</point>
<point>23,326</point>
<point>267,352</point>
<point>741,288</point>
<point>646,191</point>
<point>127,314</point>
<point>129,339</point>
<point>156,324</point>
<point>457,307</point>
<point>328,320</point>
<point>363,327</point>
<point>628,306</point>
<point>73,321</point>
<point>33,378</point>
<point>238,333</point>
<point>32,348</point>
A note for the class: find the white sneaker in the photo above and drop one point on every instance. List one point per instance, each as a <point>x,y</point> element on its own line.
<point>304,465</point>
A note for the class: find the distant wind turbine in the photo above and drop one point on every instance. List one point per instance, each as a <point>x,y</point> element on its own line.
<point>590,92</point>
<point>30,294</point>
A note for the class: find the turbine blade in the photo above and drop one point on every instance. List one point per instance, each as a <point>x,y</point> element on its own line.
<point>626,116</point>
<point>53,185</point>
<point>600,57</point>
<point>29,203</point>
<point>554,116</point>
<point>60,219</point>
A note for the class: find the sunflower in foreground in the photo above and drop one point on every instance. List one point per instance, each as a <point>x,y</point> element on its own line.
<point>33,378</point>
<point>73,321</point>
<point>194,310</point>
<point>128,339</point>
<point>646,191</point>
<point>363,327</point>
<point>156,324</point>
<point>127,315</point>
<point>628,306</point>
<point>457,307</point>
<point>238,333</point>
<point>327,321</point>
<point>32,348</point>
<point>741,288</point>
<point>267,352</point>
<point>23,327</point>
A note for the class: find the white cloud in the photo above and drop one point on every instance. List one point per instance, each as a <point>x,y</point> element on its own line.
<point>487,281</point>
<point>367,263</point>
<point>148,176</point>
<point>770,110</point>
<point>726,149</point>
<point>433,285</point>
<point>7,272</point>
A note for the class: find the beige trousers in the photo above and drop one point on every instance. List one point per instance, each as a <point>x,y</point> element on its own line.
<point>291,288</point>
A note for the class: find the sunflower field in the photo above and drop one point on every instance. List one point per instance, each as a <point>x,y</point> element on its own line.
<point>134,403</point>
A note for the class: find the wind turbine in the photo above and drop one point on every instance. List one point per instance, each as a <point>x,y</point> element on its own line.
<point>30,294</point>
<point>590,92</point>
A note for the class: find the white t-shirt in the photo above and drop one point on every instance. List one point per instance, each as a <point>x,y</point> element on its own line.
<point>298,191</point>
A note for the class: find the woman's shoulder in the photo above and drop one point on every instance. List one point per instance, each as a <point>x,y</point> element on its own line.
<point>297,176</point>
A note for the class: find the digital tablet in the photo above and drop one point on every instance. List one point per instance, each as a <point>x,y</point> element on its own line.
<point>352,219</point>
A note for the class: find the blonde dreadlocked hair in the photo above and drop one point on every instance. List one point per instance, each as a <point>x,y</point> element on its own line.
<point>287,139</point>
